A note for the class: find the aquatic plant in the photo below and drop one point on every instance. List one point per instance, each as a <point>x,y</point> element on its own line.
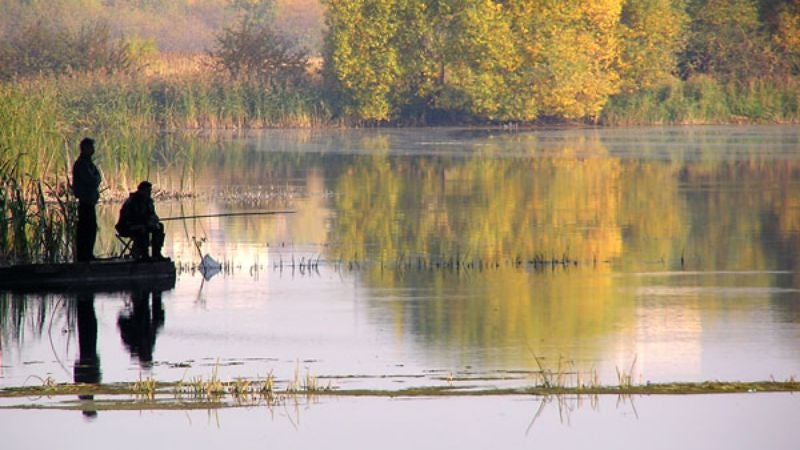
<point>625,378</point>
<point>251,392</point>
<point>240,389</point>
<point>552,378</point>
<point>145,387</point>
<point>37,217</point>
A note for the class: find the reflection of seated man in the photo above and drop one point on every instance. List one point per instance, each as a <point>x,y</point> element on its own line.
<point>138,220</point>
<point>139,325</point>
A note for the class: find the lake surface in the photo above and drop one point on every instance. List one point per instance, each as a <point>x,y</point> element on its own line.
<point>450,256</point>
<point>730,421</point>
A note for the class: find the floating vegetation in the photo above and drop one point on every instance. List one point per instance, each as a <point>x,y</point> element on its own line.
<point>311,264</point>
<point>198,392</point>
<point>457,263</point>
<point>145,387</point>
<point>302,264</point>
<point>625,378</point>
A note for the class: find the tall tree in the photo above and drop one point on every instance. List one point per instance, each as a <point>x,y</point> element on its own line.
<point>727,40</point>
<point>421,42</point>
<point>361,66</point>
<point>493,59</point>
<point>486,63</point>
<point>651,33</point>
<point>572,51</point>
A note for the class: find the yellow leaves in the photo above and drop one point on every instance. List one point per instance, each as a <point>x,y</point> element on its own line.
<point>604,13</point>
<point>510,60</point>
<point>572,50</point>
<point>788,34</point>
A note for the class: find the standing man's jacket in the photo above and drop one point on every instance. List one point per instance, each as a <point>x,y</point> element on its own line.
<point>86,180</point>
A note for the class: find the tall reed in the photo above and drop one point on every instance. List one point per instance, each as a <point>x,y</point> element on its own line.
<point>37,218</point>
<point>44,118</point>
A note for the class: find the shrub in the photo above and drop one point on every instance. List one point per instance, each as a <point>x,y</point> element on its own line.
<point>252,51</point>
<point>41,49</point>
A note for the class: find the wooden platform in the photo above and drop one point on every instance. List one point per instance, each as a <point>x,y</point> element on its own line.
<point>111,274</point>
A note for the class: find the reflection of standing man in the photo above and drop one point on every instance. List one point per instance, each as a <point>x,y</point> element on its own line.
<point>87,366</point>
<point>85,185</point>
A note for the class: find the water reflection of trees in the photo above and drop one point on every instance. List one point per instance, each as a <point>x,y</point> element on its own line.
<point>536,181</point>
<point>617,194</point>
<point>591,206</point>
<point>708,214</point>
<point>476,197</point>
<point>480,197</point>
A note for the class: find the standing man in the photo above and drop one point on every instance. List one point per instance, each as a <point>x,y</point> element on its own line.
<point>85,186</point>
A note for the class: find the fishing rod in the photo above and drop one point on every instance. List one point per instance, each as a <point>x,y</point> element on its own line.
<point>204,216</point>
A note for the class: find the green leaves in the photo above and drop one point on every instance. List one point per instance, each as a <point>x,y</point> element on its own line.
<point>651,36</point>
<point>520,60</point>
<point>362,62</point>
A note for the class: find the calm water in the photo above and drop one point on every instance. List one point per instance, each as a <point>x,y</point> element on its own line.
<point>681,249</point>
<point>656,422</point>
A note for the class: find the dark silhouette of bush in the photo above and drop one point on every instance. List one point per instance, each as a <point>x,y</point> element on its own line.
<point>39,49</point>
<point>252,50</point>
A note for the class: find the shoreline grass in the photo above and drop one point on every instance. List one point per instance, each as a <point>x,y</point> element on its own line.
<point>703,100</point>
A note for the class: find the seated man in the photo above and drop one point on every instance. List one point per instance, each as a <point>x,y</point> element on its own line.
<point>138,220</point>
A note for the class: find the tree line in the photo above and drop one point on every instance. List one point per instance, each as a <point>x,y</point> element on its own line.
<point>522,60</point>
<point>461,61</point>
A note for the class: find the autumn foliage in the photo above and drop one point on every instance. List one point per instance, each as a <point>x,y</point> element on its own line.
<point>438,61</point>
<point>521,60</point>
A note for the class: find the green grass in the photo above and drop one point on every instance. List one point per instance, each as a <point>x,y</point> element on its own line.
<point>37,218</point>
<point>43,119</point>
<point>704,100</point>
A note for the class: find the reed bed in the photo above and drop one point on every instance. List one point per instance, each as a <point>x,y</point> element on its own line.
<point>37,217</point>
<point>705,100</point>
<point>203,100</point>
<point>44,118</point>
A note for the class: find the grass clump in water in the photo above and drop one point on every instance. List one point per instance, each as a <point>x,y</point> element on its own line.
<point>214,392</point>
